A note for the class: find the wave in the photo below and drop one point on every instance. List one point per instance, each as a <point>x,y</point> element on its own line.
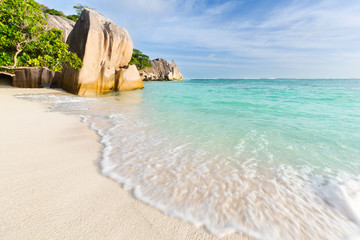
<point>245,190</point>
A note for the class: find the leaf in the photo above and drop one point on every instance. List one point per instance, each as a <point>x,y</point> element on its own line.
<point>22,28</point>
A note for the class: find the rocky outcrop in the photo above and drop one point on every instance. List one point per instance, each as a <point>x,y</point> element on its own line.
<point>174,74</point>
<point>129,79</point>
<point>33,77</point>
<point>66,25</point>
<point>161,70</point>
<point>105,50</point>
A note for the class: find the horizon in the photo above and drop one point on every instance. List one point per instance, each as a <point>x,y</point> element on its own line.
<point>271,78</point>
<point>241,39</point>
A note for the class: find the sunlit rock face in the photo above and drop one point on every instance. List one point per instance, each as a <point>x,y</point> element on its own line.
<point>161,70</point>
<point>105,50</point>
<point>129,79</point>
<point>64,24</point>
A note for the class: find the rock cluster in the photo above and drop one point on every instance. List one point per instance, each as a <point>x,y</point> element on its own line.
<point>161,70</point>
<point>105,50</point>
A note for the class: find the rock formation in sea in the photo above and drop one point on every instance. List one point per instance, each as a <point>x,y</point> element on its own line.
<point>161,70</point>
<point>105,50</point>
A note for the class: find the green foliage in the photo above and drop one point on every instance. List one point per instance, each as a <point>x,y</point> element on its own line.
<point>78,8</point>
<point>72,17</point>
<point>140,60</point>
<point>47,51</point>
<point>58,13</point>
<point>23,36</point>
<point>54,12</point>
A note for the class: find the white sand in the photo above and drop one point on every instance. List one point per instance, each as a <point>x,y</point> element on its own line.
<point>50,187</point>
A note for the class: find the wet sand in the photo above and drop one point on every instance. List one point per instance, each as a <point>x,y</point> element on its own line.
<point>51,187</point>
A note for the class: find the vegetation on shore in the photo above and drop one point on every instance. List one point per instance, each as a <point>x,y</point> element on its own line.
<point>24,41</point>
<point>78,8</point>
<point>140,60</point>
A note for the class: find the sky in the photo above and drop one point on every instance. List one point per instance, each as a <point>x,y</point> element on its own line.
<point>241,38</point>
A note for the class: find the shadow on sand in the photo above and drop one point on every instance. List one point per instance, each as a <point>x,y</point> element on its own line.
<point>5,81</point>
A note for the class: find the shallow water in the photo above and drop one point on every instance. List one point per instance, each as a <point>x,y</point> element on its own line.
<point>273,158</point>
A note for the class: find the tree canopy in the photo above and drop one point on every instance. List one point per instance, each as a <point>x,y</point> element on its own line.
<point>25,42</point>
<point>78,8</point>
<point>140,60</point>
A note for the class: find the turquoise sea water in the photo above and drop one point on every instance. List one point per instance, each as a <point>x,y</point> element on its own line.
<point>297,122</point>
<point>273,158</point>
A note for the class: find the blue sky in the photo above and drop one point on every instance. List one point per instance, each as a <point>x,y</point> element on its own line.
<point>241,39</point>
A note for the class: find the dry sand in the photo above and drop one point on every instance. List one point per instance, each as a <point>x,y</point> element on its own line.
<point>51,188</point>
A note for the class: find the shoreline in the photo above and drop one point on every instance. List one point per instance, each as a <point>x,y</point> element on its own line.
<point>53,187</point>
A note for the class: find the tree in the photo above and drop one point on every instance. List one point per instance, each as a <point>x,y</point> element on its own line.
<point>140,60</point>
<point>78,8</point>
<point>25,42</point>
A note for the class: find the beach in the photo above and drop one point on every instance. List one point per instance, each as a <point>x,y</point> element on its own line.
<point>51,187</point>
<point>175,120</point>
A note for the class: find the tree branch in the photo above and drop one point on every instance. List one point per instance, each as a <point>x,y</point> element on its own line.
<point>57,63</point>
<point>18,50</point>
<point>20,68</point>
<point>8,74</point>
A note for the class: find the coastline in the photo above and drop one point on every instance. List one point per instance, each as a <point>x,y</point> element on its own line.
<point>52,187</point>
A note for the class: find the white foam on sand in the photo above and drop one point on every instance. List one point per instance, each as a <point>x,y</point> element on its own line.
<point>224,193</point>
<point>343,194</point>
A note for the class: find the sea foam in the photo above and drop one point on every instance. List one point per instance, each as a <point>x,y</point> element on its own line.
<point>265,183</point>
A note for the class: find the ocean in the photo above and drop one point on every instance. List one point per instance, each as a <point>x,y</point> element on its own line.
<point>272,158</point>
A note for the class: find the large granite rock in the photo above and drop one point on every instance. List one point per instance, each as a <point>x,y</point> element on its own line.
<point>105,50</point>
<point>66,25</point>
<point>161,70</point>
<point>129,79</point>
<point>33,77</point>
<point>174,74</point>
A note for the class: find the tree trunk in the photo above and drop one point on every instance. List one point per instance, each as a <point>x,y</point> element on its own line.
<point>18,50</point>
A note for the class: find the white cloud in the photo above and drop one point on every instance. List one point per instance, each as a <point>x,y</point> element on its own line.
<point>304,34</point>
